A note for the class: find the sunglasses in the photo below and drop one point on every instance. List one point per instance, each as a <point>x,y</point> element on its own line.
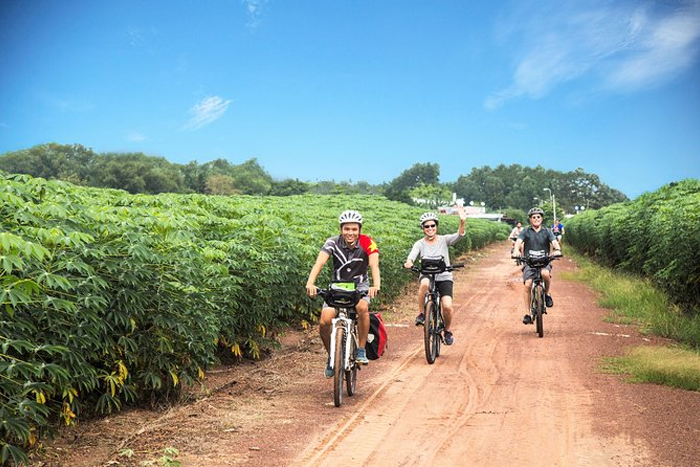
<point>429,226</point>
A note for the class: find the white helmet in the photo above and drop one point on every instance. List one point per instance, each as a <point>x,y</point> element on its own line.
<point>350,216</point>
<point>428,216</point>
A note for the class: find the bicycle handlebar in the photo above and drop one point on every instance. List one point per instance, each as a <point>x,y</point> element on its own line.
<point>536,262</point>
<point>323,292</point>
<point>449,268</point>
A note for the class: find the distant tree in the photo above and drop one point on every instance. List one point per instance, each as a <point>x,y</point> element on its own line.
<point>516,215</point>
<point>431,196</point>
<point>137,173</point>
<point>221,185</point>
<point>399,188</point>
<point>521,187</point>
<point>248,178</point>
<point>251,179</point>
<point>194,176</point>
<point>70,162</point>
<point>288,187</point>
<point>331,187</point>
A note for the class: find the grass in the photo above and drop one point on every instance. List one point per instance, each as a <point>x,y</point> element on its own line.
<point>671,366</point>
<point>633,300</point>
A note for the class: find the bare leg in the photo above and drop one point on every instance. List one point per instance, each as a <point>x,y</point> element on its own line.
<point>362,322</point>
<point>446,303</point>
<point>547,279</point>
<point>324,327</point>
<point>528,285</point>
<point>422,291</point>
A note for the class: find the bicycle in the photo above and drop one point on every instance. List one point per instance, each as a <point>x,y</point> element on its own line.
<point>433,328</point>
<point>344,341</point>
<point>538,306</point>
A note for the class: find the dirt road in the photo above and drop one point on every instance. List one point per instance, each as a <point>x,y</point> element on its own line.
<point>499,396</point>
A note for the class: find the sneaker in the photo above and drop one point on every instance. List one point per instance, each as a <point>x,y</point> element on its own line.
<point>361,357</point>
<point>329,369</point>
<point>449,338</point>
<point>548,301</point>
<point>527,319</point>
<point>420,319</point>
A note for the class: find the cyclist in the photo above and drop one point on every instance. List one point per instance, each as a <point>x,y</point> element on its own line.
<point>558,230</point>
<point>536,239</point>
<point>352,253</point>
<point>514,234</point>
<point>433,245</point>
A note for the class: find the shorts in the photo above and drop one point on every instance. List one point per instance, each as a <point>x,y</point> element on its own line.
<point>365,298</point>
<point>529,273</point>
<point>444,287</point>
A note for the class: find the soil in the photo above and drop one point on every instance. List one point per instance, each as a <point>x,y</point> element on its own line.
<point>499,396</point>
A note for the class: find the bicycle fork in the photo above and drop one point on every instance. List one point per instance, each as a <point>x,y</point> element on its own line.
<point>346,324</point>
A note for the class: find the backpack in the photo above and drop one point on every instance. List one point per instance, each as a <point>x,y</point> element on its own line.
<point>376,338</point>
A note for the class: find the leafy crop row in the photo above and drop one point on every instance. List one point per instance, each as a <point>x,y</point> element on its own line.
<point>658,235</point>
<point>111,299</point>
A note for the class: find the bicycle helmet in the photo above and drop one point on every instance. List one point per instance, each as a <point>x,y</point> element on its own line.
<point>349,216</point>
<point>533,211</point>
<point>428,216</point>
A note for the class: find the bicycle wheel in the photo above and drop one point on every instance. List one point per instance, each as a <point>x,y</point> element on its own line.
<point>351,374</point>
<point>339,370</point>
<point>430,331</point>
<point>539,306</point>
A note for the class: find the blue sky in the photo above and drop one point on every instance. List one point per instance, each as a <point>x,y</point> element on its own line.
<point>362,89</point>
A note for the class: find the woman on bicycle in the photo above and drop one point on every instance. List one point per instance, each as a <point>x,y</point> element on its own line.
<point>537,239</point>
<point>352,254</point>
<point>433,245</point>
<point>514,234</point>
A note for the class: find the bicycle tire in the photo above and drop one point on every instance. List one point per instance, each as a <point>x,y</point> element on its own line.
<point>430,331</point>
<point>339,370</point>
<point>351,374</point>
<point>439,327</point>
<point>540,312</point>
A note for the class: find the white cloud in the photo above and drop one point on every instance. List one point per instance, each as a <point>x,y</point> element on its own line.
<point>615,47</point>
<point>206,111</point>
<point>254,9</point>
<point>135,136</point>
<point>136,37</point>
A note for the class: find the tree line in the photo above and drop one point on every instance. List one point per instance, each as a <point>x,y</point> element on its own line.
<point>512,189</point>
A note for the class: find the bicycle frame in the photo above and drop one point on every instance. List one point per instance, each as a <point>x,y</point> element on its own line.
<point>537,297</point>
<point>537,288</point>
<point>343,328</point>
<point>349,325</point>
<point>433,326</point>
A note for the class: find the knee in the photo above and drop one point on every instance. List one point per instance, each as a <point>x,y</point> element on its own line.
<point>447,304</point>
<point>326,318</point>
<point>362,309</point>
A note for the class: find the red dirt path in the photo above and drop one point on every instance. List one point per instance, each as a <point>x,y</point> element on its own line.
<point>499,396</point>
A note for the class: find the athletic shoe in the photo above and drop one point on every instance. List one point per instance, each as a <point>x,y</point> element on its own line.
<point>548,301</point>
<point>420,319</point>
<point>329,369</point>
<point>361,357</point>
<point>449,339</point>
<point>527,319</point>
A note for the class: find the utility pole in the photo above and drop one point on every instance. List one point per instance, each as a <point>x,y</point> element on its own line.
<point>554,203</point>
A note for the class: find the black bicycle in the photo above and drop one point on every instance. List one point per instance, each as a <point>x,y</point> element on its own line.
<point>344,341</point>
<point>538,306</point>
<point>433,328</point>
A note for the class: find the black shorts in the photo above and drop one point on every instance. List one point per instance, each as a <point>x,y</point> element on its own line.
<point>529,273</point>
<point>445,288</point>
